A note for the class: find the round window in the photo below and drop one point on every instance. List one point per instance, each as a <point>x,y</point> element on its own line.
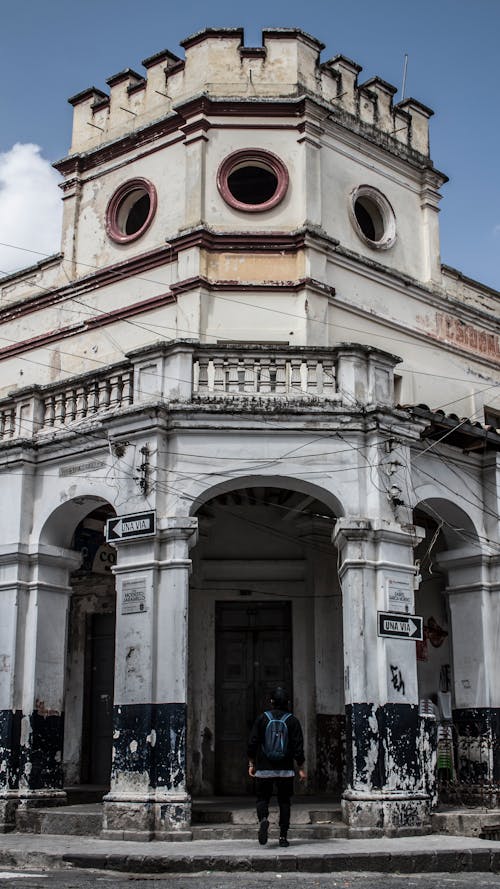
<point>373,217</point>
<point>252,180</point>
<point>131,210</point>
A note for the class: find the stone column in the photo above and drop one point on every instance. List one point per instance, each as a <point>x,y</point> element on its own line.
<point>474,604</point>
<point>385,789</point>
<point>148,795</point>
<point>35,604</point>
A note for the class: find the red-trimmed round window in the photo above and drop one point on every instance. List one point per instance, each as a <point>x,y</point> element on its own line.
<point>131,210</point>
<point>252,180</point>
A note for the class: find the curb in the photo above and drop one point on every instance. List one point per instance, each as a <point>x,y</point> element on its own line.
<point>467,860</point>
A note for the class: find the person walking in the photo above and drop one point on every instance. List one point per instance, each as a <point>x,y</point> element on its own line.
<point>275,743</point>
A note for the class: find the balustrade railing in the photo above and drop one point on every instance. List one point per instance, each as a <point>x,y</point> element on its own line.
<point>278,372</point>
<point>67,404</point>
<point>184,371</point>
<point>47,408</point>
<point>8,421</point>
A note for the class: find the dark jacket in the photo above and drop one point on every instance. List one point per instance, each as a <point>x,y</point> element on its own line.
<point>295,749</point>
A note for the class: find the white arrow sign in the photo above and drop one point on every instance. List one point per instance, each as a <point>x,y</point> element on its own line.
<point>400,626</point>
<point>128,527</point>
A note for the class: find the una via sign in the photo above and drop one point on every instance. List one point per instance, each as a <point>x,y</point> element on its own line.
<point>130,527</point>
<point>400,626</point>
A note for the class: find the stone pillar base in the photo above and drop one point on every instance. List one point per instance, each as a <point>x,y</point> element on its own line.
<point>386,813</point>
<point>144,820</point>
<point>8,806</point>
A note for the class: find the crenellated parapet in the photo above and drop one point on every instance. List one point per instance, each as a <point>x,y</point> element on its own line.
<point>218,65</point>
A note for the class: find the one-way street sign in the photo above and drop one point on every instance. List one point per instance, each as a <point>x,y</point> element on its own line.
<point>130,527</point>
<point>396,625</point>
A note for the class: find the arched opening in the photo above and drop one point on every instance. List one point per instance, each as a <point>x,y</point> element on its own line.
<point>91,656</point>
<point>450,544</point>
<point>434,652</point>
<point>265,610</point>
<point>80,525</point>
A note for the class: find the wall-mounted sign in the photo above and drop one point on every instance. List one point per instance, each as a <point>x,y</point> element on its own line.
<point>81,468</point>
<point>134,596</point>
<point>394,625</point>
<point>399,593</point>
<point>130,527</point>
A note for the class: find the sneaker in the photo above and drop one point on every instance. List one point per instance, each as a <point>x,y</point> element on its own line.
<point>263,829</point>
<point>284,843</point>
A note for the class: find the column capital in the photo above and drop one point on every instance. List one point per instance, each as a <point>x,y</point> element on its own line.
<point>359,528</point>
<point>179,528</point>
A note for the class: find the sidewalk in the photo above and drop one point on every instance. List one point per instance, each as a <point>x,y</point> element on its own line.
<point>430,854</point>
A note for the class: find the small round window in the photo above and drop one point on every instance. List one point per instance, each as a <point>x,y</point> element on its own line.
<point>252,180</point>
<point>130,210</point>
<point>373,217</point>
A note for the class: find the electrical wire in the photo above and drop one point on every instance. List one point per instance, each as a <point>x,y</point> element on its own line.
<point>155,327</point>
<point>238,302</point>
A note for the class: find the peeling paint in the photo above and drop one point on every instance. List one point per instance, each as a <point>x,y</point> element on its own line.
<point>150,739</point>
<point>25,731</point>
<point>384,745</point>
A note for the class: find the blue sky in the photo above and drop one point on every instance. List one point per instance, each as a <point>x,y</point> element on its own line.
<point>51,49</point>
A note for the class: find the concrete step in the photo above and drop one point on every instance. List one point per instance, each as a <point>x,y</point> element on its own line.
<point>247,832</point>
<point>79,820</point>
<point>474,822</point>
<point>242,812</point>
<point>216,819</point>
<point>79,794</point>
<point>211,816</point>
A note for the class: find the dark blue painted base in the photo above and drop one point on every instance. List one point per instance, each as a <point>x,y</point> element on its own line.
<point>36,764</point>
<point>10,738</point>
<point>383,741</point>
<point>151,738</point>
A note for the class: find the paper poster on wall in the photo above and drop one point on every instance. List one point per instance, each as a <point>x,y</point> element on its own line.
<point>399,593</point>
<point>134,596</point>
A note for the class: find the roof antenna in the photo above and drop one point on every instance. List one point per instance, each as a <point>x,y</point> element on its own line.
<point>405,68</point>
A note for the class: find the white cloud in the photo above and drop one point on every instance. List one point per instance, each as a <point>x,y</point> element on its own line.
<point>30,207</point>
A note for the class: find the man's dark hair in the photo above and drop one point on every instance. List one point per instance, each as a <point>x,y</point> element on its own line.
<point>279,696</point>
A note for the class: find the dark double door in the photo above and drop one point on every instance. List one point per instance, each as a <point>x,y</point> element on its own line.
<point>98,730</point>
<point>253,656</point>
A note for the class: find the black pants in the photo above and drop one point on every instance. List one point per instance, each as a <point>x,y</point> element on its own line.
<point>284,792</point>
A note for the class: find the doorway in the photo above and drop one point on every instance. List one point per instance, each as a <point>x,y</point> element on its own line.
<point>99,715</point>
<point>253,655</point>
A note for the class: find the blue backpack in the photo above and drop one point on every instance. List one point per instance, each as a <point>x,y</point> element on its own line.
<point>275,744</point>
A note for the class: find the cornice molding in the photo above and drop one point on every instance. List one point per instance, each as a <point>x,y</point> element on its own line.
<point>138,308</point>
<point>103,320</point>
<point>206,239</point>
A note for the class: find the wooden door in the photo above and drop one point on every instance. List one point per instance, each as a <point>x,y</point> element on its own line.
<point>253,656</point>
<point>102,659</point>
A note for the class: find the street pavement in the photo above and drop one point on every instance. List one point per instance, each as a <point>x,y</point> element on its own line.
<point>436,853</point>
<point>90,879</point>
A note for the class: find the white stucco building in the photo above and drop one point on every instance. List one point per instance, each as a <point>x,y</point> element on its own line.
<point>249,337</point>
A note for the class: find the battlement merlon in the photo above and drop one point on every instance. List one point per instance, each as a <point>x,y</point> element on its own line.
<point>219,65</point>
